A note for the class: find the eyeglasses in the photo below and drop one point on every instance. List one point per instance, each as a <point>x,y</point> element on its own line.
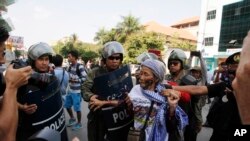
<point>173,63</point>
<point>114,57</point>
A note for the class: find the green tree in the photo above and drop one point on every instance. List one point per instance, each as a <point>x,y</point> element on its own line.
<point>66,44</point>
<point>141,42</point>
<point>100,35</point>
<point>73,43</point>
<point>129,25</point>
<point>57,47</point>
<point>64,48</point>
<point>176,42</point>
<point>123,29</point>
<point>103,36</point>
<point>88,55</point>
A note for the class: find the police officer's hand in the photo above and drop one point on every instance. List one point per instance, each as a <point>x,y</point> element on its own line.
<point>45,77</point>
<point>17,77</point>
<point>28,108</point>
<point>95,103</point>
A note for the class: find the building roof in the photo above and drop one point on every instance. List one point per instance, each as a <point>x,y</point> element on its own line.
<point>169,31</point>
<point>187,21</point>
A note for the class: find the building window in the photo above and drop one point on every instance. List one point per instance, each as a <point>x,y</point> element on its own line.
<point>211,15</point>
<point>209,41</point>
<point>237,11</point>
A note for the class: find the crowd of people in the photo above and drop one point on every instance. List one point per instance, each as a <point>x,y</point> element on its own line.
<point>166,107</point>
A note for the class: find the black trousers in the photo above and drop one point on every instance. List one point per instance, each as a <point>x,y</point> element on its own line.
<point>97,130</point>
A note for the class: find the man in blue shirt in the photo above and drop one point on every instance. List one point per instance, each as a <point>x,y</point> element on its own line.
<point>61,74</point>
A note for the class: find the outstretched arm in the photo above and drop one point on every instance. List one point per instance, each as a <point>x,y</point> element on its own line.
<point>191,89</point>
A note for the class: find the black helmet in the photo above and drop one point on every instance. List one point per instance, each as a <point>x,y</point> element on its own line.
<point>233,59</point>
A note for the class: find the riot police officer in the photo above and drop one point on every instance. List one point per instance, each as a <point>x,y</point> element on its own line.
<point>223,117</point>
<point>176,64</point>
<point>112,55</point>
<point>178,71</point>
<point>40,103</point>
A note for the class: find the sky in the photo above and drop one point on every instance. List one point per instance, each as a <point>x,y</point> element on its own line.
<point>51,20</point>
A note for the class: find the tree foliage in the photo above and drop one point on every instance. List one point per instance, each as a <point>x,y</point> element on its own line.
<point>130,33</point>
<point>103,36</point>
<point>141,42</point>
<point>123,29</point>
<point>86,50</point>
<point>128,26</point>
<point>176,42</point>
<point>89,55</point>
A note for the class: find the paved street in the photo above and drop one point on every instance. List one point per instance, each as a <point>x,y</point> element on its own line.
<point>81,134</point>
<point>204,135</point>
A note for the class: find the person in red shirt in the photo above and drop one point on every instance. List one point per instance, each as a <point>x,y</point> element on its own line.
<point>179,75</point>
<point>176,65</point>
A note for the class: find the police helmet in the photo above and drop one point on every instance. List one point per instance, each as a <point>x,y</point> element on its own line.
<point>38,50</point>
<point>178,54</point>
<point>111,48</point>
<point>195,68</point>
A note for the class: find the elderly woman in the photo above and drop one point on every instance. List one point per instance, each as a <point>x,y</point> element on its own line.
<point>165,114</point>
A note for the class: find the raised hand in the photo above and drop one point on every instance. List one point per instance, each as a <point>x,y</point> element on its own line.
<point>15,78</point>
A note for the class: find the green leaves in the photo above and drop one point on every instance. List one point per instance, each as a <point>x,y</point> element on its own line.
<point>175,42</point>
<point>141,42</point>
<point>132,35</point>
<point>86,50</point>
<point>128,26</point>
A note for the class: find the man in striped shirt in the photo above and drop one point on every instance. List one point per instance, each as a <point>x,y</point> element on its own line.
<point>77,76</point>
